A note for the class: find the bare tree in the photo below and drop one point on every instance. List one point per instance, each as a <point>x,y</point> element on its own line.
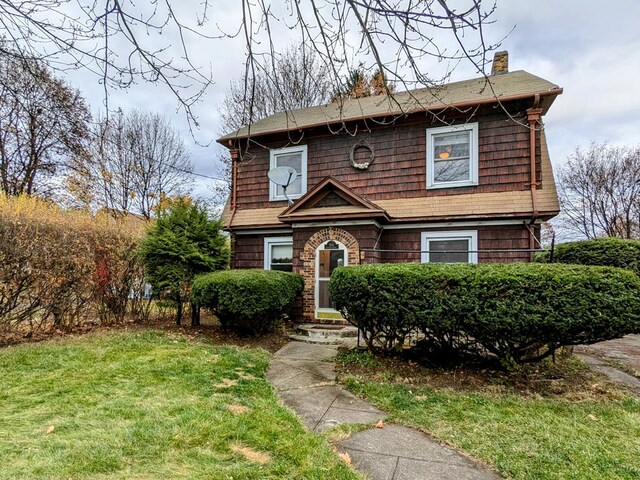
<point>136,159</point>
<point>295,79</point>
<point>600,191</point>
<point>42,122</point>
<point>122,41</point>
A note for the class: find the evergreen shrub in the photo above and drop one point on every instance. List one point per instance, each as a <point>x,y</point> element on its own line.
<point>610,252</point>
<point>517,312</point>
<point>250,301</point>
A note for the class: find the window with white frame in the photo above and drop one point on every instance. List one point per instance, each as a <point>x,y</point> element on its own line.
<point>450,247</point>
<point>278,253</point>
<point>295,157</point>
<point>452,156</point>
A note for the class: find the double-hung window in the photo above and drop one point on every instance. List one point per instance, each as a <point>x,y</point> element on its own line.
<point>295,157</point>
<point>450,247</point>
<point>452,156</point>
<point>278,253</point>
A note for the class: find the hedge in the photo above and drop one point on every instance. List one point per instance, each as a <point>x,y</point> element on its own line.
<point>611,252</point>
<point>517,312</point>
<point>250,301</point>
<point>61,268</point>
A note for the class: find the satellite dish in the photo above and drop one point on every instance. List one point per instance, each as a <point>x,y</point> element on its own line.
<point>283,177</point>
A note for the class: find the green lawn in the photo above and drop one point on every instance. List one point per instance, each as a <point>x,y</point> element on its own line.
<point>522,436</point>
<point>146,405</point>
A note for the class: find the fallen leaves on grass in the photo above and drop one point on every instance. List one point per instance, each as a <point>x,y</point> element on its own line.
<point>226,383</point>
<point>237,409</point>
<point>250,454</point>
<point>380,424</point>
<point>50,429</point>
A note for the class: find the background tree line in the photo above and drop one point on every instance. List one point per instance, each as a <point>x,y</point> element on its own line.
<point>124,162</point>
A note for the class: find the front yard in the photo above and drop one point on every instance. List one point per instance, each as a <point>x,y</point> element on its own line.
<point>565,424</point>
<point>143,404</point>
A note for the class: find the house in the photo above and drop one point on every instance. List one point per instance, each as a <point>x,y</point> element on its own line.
<point>458,173</point>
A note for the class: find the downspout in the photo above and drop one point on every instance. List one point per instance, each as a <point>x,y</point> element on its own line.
<point>533,116</point>
<point>234,176</point>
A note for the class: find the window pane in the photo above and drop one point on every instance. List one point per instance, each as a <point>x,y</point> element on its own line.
<point>452,145</point>
<point>449,251</point>
<point>328,261</point>
<point>290,160</point>
<point>323,294</point>
<point>282,253</point>
<point>293,189</point>
<point>281,257</point>
<point>451,170</point>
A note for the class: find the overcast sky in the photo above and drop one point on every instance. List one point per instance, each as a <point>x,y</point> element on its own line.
<point>589,49</point>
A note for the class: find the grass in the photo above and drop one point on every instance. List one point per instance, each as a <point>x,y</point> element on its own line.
<point>523,435</point>
<point>146,405</point>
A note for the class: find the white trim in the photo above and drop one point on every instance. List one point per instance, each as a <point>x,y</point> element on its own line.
<point>343,247</point>
<point>268,241</point>
<point>302,149</point>
<point>334,223</point>
<point>477,223</point>
<point>470,235</point>
<point>472,128</point>
<point>263,231</point>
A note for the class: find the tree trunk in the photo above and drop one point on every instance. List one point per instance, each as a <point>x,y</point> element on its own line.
<point>195,315</point>
<point>179,312</point>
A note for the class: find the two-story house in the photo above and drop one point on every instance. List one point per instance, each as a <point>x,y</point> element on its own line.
<point>458,173</point>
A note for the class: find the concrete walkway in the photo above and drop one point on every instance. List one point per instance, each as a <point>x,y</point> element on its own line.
<point>305,379</point>
<point>603,357</point>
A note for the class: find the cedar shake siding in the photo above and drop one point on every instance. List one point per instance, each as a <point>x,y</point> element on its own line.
<point>494,237</point>
<point>249,249</point>
<point>399,166</point>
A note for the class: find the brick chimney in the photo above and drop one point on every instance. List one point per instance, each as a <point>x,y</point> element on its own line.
<point>500,63</point>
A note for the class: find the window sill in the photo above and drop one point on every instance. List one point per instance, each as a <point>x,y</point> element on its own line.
<point>439,186</point>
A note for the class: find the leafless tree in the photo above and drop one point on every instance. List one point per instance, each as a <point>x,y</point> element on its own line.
<point>296,79</point>
<point>136,159</point>
<point>42,122</point>
<point>122,41</point>
<point>600,191</point>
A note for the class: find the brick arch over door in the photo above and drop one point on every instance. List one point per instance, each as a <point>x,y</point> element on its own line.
<point>308,259</point>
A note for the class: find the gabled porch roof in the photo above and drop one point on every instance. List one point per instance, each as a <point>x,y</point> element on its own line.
<point>331,199</point>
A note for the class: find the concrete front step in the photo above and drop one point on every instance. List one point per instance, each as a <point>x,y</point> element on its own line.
<point>324,334</point>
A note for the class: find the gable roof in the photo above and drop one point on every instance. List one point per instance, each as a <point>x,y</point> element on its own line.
<point>508,86</point>
<point>308,207</point>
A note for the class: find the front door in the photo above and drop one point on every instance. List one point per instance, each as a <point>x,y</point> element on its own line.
<point>329,255</point>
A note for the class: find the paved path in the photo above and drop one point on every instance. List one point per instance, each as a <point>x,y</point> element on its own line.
<point>305,379</point>
<point>603,356</point>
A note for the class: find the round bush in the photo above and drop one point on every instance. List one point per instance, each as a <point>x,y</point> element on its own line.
<point>611,252</point>
<point>247,300</point>
<point>518,312</point>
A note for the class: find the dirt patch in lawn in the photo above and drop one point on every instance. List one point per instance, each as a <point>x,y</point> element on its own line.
<point>568,377</point>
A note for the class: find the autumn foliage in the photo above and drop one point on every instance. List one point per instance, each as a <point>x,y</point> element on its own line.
<point>62,268</point>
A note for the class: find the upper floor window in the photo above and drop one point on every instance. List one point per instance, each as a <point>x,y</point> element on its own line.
<point>278,253</point>
<point>295,157</point>
<point>452,156</point>
<point>450,247</point>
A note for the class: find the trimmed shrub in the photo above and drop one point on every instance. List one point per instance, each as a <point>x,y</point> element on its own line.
<point>250,301</point>
<point>517,312</point>
<point>609,252</point>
